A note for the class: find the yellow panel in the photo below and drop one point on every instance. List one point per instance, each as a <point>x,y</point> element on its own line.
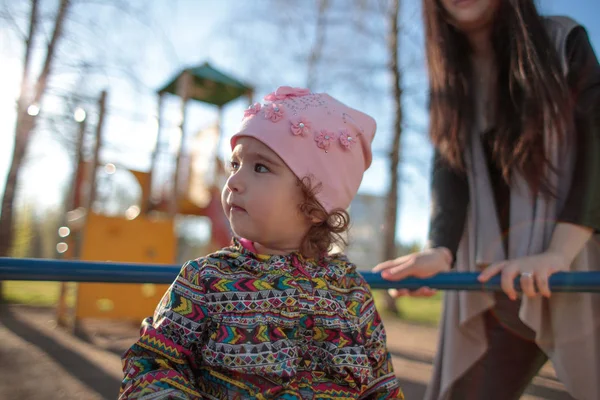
<point>118,239</point>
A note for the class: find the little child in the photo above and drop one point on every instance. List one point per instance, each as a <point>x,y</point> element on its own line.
<point>275,315</point>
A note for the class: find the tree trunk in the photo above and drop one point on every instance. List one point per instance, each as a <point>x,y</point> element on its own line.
<point>96,157</point>
<point>392,197</point>
<point>25,122</point>
<point>25,89</point>
<point>317,47</point>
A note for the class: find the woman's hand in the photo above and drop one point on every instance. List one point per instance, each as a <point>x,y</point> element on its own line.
<point>534,271</point>
<point>423,264</point>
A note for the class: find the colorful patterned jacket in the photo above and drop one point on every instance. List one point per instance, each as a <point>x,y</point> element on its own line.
<point>236,325</point>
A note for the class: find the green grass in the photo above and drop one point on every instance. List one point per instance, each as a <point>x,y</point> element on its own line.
<point>421,310</point>
<point>31,293</point>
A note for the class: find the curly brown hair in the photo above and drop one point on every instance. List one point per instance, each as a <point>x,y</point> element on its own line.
<point>328,231</point>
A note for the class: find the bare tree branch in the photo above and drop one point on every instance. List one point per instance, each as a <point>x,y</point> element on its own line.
<point>9,17</point>
<point>57,32</point>
<point>33,24</point>
<point>318,44</point>
<point>138,14</point>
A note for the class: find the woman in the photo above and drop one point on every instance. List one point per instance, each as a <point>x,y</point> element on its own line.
<point>514,118</point>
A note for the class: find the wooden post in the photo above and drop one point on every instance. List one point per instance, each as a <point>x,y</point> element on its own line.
<point>147,203</point>
<point>216,161</point>
<point>90,177</point>
<point>184,83</point>
<point>73,202</point>
<point>95,158</point>
<point>75,196</point>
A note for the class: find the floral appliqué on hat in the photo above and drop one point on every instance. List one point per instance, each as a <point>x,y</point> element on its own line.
<point>274,112</point>
<point>301,126</point>
<point>252,110</point>
<point>284,92</point>
<point>346,140</point>
<point>324,139</point>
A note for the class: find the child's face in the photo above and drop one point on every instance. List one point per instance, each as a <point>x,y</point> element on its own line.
<point>261,198</point>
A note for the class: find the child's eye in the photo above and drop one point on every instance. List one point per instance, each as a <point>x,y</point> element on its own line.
<point>260,168</point>
<point>233,166</point>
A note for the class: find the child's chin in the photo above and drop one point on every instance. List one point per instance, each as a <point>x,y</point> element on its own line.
<point>241,232</point>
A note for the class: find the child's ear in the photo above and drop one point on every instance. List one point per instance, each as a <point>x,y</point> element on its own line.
<point>315,220</point>
<point>317,217</point>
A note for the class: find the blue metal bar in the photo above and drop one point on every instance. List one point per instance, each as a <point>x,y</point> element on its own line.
<point>29,269</point>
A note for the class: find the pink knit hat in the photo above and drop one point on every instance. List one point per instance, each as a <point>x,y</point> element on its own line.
<point>316,136</point>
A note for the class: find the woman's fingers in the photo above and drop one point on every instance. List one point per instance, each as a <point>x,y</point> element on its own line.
<point>490,271</point>
<point>419,265</point>
<point>384,265</point>
<point>421,292</point>
<point>528,284</point>
<point>541,281</point>
<point>534,273</point>
<point>390,264</point>
<point>509,273</point>
<point>399,271</point>
<point>397,292</point>
<point>424,292</point>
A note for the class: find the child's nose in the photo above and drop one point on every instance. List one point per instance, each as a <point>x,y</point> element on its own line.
<point>235,183</point>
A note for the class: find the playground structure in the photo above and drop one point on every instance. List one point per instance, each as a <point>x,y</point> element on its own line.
<point>148,235</point>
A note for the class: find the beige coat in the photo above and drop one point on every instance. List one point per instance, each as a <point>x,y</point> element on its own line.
<point>567,326</point>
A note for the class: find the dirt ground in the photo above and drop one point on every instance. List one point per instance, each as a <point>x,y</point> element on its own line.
<point>39,360</point>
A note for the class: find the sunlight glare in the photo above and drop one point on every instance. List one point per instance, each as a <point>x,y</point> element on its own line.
<point>79,114</point>
<point>33,110</point>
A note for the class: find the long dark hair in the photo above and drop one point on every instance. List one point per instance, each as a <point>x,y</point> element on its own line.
<point>531,93</point>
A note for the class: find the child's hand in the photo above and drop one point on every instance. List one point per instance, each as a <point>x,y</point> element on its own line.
<point>423,264</point>
<point>533,269</point>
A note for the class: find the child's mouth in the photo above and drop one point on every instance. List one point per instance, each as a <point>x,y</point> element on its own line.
<point>235,208</point>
